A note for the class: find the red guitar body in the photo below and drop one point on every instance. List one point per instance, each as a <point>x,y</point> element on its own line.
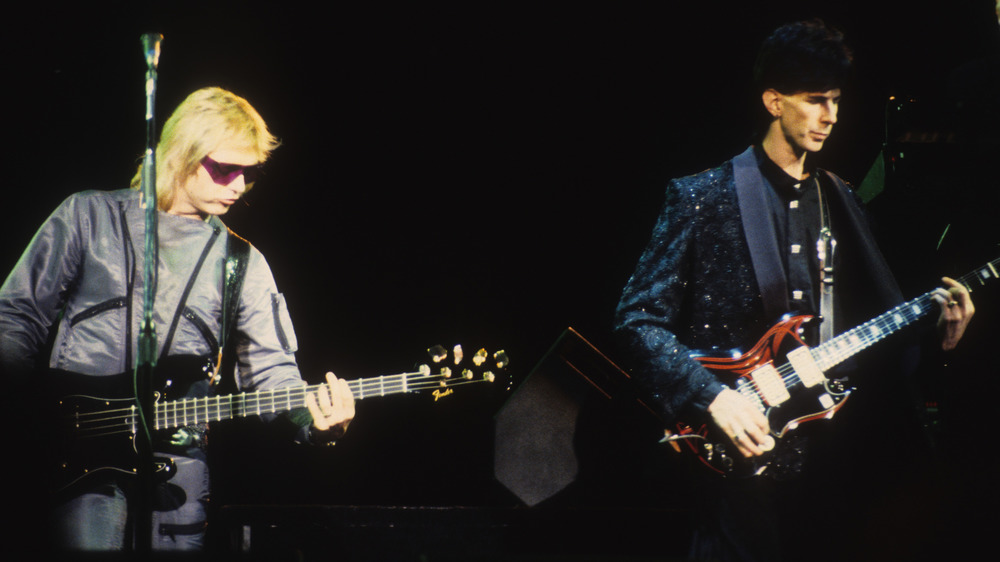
<point>785,413</point>
<point>787,381</point>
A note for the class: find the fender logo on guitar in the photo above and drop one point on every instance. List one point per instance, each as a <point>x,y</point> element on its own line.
<point>98,431</point>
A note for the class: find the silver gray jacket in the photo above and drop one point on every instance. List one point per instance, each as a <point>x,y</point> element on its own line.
<point>83,271</point>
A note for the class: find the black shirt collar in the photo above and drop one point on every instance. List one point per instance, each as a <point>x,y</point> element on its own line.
<point>784,185</point>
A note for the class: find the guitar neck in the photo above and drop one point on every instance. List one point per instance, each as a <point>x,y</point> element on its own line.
<point>848,344</point>
<point>191,411</point>
<point>852,342</point>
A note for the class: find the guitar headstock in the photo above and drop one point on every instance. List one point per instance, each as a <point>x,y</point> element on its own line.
<point>453,367</point>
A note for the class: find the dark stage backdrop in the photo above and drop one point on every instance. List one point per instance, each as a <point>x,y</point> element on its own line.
<point>484,175</point>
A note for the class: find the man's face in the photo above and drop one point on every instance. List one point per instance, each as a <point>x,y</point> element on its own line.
<point>218,182</point>
<point>806,118</point>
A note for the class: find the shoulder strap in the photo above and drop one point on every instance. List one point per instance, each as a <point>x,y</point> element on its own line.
<point>234,272</point>
<point>826,246</point>
<point>237,256</point>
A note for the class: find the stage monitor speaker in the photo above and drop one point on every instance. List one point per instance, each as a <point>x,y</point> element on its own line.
<point>537,429</point>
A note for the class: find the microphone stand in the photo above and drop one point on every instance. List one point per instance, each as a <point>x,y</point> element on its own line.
<point>147,347</point>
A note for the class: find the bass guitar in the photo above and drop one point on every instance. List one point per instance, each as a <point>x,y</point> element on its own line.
<point>97,433</point>
<point>797,390</point>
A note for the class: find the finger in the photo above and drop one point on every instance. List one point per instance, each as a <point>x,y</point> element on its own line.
<point>739,440</point>
<point>958,292</point>
<point>734,414</point>
<point>746,436</point>
<point>761,422</point>
<point>334,394</point>
<point>941,296</point>
<point>754,442</point>
<point>746,445</point>
<point>347,397</point>
<point>952,284</point>
<point>319,420</point>
<point>341,410</point>
<point>755,424</point>
<point>325,402</point>
<point>761,432</point>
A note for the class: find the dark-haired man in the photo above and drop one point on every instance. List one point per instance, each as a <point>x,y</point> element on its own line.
<point>734,249</point>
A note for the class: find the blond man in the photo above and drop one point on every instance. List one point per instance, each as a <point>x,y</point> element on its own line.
<point>72,306</point>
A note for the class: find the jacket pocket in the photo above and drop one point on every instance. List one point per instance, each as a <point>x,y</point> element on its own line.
<point>283,324</point>
<point>202,327</point>
<point>112,304</point>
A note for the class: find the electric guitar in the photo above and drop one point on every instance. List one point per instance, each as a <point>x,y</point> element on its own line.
<point>798,390</point>
<point>96,433</point>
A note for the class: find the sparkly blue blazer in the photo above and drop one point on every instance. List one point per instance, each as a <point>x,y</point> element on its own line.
<point>711,278</point>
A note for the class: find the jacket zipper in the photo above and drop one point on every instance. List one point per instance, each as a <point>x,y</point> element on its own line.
<point>206,332</point>
<point>105,306</point>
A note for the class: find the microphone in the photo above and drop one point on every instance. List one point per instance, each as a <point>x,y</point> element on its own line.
<point>146,362</point>
<point>151,48</point>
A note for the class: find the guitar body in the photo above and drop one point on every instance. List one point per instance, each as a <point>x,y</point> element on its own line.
<point>83,455</point>
<point>787,380</point>
<point>94,423</point>
<point>747,373</point>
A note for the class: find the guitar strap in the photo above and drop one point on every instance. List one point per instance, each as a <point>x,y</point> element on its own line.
<point>237,256</point>
<point>826,244</point>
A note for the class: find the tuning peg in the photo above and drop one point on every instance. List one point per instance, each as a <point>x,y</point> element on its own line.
<point>424,370</point>
<point>457,354</point>
<point>501,358</point>
<point>437,353</point>
<point>446,372</point>
<point>479,358</point>
<point>467,374</point>
<point>488,376</point>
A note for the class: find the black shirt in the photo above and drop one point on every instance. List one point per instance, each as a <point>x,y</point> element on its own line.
<point>795,210</point>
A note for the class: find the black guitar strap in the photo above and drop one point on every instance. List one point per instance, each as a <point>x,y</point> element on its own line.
<point>237,256</point>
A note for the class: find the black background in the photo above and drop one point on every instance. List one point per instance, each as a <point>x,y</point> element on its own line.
<point>484,175</point>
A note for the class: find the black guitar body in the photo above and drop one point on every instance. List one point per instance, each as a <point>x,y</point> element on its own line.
<point>94,421</point>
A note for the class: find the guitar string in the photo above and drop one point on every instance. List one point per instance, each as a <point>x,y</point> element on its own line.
<point>247,402</point>
<point>886,324</point>
<point>240,405</point>
<point>832,353</point>
<point>112,424</point>
<point>268,396</point>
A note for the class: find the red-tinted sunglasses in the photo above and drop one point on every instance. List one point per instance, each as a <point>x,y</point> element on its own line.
<point>224,174</point>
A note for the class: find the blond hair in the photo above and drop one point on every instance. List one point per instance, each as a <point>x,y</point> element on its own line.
<point>203,122</point>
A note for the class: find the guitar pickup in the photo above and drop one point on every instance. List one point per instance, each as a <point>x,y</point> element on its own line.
<point>770,385</point>
<point>805,366</point>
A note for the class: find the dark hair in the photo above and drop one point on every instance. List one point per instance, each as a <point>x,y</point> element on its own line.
<point>805,56</point>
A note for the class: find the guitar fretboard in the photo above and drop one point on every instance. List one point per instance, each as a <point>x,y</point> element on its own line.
<point>846,345</point>
<point>191,411</point>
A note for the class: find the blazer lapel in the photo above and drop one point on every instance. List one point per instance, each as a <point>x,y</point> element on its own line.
<point>760,234</point>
